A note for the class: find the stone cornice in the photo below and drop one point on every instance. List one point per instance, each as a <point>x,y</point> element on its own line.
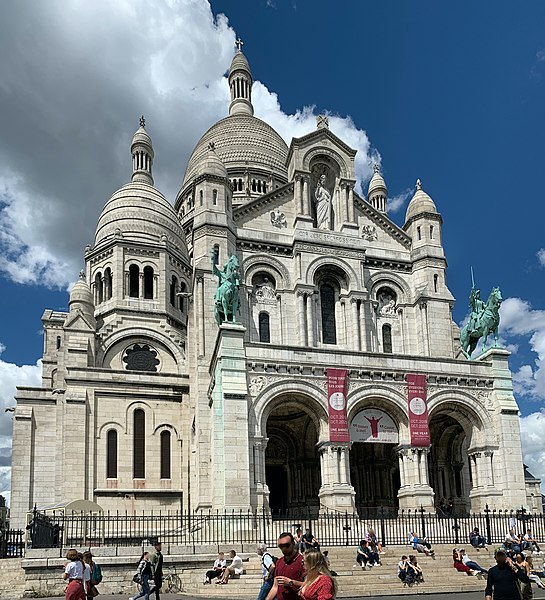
<point>383,221</point>
<point>268,247</point>
<point>386,263</point>
<point>258,203</point>
<point>425,215</point>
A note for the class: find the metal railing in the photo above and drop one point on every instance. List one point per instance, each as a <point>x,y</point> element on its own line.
<point>215,528</point>
<point>12,543</point>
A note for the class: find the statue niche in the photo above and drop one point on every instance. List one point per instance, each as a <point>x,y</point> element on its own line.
<point>324,181</point>
<point>387,302</point>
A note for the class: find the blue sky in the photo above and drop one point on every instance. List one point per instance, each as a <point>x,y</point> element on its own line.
<point>452,93</point>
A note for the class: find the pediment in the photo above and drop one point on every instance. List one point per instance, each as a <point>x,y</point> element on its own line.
<point>78,322</point>
<point>377,229</point>
<point>256,214</point>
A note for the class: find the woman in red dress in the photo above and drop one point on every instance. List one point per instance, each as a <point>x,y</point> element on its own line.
<point>459,565</point>
<point>318,583</point>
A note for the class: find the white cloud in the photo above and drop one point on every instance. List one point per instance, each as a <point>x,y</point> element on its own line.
<point>519,319</point>
<point>12,375</point>
<point>533,444</point>
<point>398,202</point>
<point>71,91</point>
<point>541,257</point>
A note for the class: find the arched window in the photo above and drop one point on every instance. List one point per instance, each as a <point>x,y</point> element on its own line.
<point>200,198</point>
<point>108,281</point>
<point>165,454</point>
<point>387,339</point>
<point>148,283</point>
<point>214,197</point>
<point>99,291</point>
<point>264,188</point>
<point>139,445</point>
<point>431,232</point>
<point>216,254</point>
<point>327,302</point>
<point>435,282</point>
<point>173,288</point>
<point>240,185</point>
<point>253,185</point>
<point>111,454</point>
<point>264,328</point>
<point>134,281</point>
<point>181,298</point>
<point>58,342</point>
<point>419,232</point>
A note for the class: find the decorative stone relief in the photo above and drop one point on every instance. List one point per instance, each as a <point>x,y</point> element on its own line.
<point>278,219</point>
<point>264,293</point>
<point>386,303</point>
<point>369,233</point>
<point>257,384</point>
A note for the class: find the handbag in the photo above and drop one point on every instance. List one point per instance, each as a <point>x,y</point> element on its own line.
<point>137,578</point>
<point>93,592</point>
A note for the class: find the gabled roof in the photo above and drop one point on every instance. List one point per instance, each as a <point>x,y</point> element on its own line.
<point>257,203</point>
<point>316,135</point>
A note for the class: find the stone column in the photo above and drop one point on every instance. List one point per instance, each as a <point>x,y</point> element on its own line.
<point>401,457</point>
<point>336,493</point>
<point>363,332</point>
<point>301,318</point>
<point>280,318</point>
<point>351,218</point>
<point>141,285</point>
<point>310,319</point>
<point>298,194</point>
<point>355,337</point>
<point>306,199</point>
<point>416,492</point>
<point>424,477</point>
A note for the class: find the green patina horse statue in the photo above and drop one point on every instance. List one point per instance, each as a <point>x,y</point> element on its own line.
<point>227,298</point>
<point>484,320</point>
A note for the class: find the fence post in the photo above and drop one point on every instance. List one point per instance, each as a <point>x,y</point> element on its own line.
<point>346,527</point>
<point>456,528</point>
<point>487,523</point>
<point>382,527</point>
<point>423,520</point>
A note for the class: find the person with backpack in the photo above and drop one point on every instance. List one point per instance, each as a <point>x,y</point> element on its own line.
<point>96,574</point>
<point>268,563</point>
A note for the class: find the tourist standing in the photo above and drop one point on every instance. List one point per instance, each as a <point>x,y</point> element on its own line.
<point>318,583</point>
<point>503,578</point>
<point>288,577</point>
<point>267,571</point>
<point>157,564</point>
<point>95,574</point>
<point>73,573</point>
<point>144,572</point>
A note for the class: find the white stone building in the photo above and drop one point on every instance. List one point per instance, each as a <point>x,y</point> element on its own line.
<point>146,404</point>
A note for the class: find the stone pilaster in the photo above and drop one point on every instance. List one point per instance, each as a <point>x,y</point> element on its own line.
<point>230,456</point>
<point>415,490</point>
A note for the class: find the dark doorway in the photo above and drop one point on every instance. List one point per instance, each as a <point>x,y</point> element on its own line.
<point>277,481</point>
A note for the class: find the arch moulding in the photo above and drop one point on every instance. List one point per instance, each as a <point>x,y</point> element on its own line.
<point>327,261</point>
<point>264,262</point>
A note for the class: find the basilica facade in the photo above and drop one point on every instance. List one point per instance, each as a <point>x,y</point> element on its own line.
<point>147,404</point>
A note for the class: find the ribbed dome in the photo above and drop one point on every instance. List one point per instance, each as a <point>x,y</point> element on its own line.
<point>241,141</point>
<point>141,136</point>
<point>420,203</point>
<point>138,212</point>
<point>377,182</point>
<point>81,298</point>
<point>239,62</point>
<point>211,164</point>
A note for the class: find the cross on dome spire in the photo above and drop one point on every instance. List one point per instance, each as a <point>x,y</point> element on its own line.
<point>240,83</point>
<point>239,43</point>
<point>376,168</point>
<point>142,121</point>
<point>142,155</point>
<point>418,184</point>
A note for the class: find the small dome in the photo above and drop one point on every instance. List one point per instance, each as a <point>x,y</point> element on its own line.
<point>141,136</point>
<point>139,213</point>
<point>241,141</point>
<point>420,203</point>
<point>81,297</point>
<point>377,182</point>
<point>240,62</point>
<point>211,164</point>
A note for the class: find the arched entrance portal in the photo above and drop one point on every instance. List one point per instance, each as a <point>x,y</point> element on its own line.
<point>374,472</point>
<point>449,471</point>
<point>374,463</point>
<point>292,465</point>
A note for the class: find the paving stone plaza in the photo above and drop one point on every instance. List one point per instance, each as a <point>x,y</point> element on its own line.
<point>152,402</point>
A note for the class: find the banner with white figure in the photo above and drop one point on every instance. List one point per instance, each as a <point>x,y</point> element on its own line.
<point>336,396</point>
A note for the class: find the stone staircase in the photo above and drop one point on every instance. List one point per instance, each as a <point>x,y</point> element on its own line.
<point>439,575</point>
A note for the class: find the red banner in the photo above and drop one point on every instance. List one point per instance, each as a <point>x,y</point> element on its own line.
<point>418,410</point>
<point>336,404</point>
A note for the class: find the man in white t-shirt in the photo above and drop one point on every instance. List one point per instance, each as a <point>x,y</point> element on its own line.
<point>267,571</point>
<point>529,543</point>
<point>235,568</point>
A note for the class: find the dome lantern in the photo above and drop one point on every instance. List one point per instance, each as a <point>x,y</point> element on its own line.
<point>421,203</point>
<point>142,154</point>
<point>378,192</point>
<point>240,84</point>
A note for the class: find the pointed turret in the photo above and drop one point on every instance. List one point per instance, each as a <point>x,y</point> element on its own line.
<point>240,84</point>
<point>378,192</point>
<point>142,154</point>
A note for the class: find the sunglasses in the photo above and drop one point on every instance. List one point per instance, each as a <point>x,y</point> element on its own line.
<point>285,545</point>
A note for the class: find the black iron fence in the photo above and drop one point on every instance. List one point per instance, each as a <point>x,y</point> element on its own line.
<point>213,528</point>
<point>12,543</point>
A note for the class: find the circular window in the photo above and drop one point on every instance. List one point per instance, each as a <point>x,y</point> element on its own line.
<point>141,357</point>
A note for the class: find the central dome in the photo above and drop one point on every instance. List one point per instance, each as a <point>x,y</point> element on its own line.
<point>241,141</point>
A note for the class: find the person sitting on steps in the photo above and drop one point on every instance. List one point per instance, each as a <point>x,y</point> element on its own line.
<point>235,568</point>
<point>476,539</point>
<point>219,564</point>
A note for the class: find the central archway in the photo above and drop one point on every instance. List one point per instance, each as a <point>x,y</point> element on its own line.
<point>292,465</point>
